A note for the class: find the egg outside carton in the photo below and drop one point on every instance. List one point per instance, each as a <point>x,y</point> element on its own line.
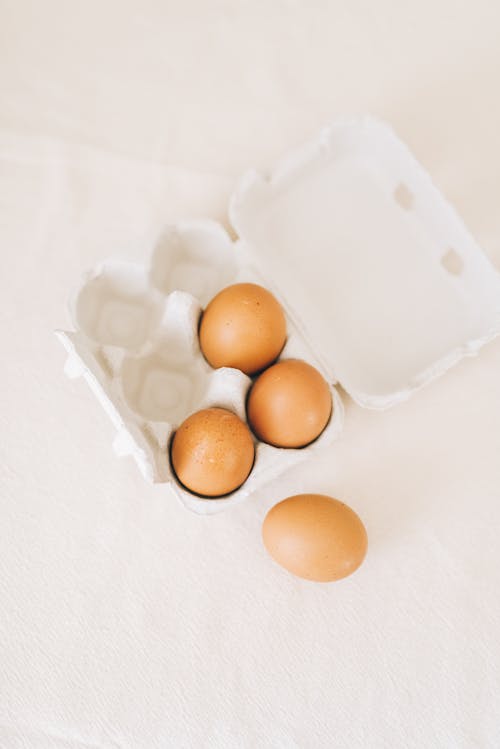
<point>136,344</point>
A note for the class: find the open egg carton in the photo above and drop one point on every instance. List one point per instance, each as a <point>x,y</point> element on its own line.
<point>382,285</point>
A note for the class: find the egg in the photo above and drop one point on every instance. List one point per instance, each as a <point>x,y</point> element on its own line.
<point>315,537</point>
<point>212,452</point>
<point>243,327</point>
<point>289,404</point>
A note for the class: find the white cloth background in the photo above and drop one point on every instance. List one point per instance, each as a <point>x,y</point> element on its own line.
<point>126,622</point>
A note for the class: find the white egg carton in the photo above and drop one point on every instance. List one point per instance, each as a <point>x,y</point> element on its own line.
<point>383,287</point>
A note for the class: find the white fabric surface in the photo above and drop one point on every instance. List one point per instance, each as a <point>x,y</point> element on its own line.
<point>127,623</point>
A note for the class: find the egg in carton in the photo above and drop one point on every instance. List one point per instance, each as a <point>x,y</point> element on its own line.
<point>383,287</point>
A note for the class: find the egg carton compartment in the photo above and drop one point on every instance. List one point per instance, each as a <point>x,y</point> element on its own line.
<point>194,256</point>
<point>136,344</point>
<point>116,306</point>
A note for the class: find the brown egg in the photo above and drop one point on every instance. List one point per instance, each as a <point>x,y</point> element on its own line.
<point>289,404</point>
<point>315,537</point>
<point>212,452</point>
<point>243,327</point>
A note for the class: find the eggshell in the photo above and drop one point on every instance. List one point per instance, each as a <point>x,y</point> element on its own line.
<point>212,452</point>
<point>243,327</point>
<point>315,537</point>
<point>289,404</point>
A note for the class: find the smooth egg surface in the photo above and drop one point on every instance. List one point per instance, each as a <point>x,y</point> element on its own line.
<point>244,327</point>
<point>289,404</point>
<point>212,452</point>
<point>315,537</point>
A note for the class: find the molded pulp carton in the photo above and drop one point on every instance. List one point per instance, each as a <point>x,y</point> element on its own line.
<point>383,287</point>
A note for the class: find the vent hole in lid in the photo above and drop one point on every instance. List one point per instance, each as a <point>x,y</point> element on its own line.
<point>452,262</point>
<point>404,197</point>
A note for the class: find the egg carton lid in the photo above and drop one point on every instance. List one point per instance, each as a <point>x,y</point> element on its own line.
<point>374,265</point>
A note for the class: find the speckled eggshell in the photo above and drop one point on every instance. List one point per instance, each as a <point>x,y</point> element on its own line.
<point>212,452</point>
<point>244,327</point>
